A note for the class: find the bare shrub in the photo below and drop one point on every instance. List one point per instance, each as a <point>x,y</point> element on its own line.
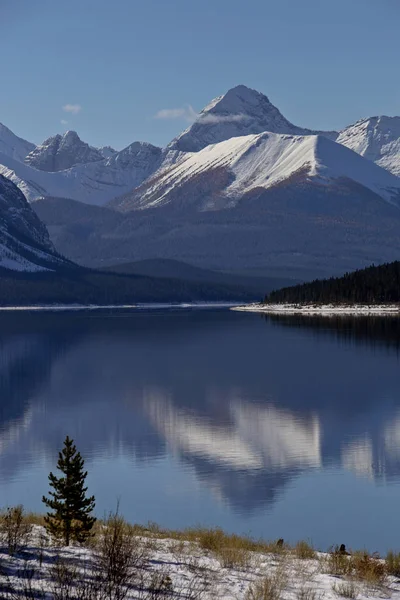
<point>25,587</point>
<point>346,589</point>
<point>63,576</point>
<point>269,588</point>
<point>120,555</point>
<point>15,531</point>
<point>307,593</point>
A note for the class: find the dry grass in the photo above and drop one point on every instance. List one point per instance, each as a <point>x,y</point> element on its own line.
<point>268,588</point>
<point>393,563</point>
<point>368,569</point>
<point>304,551</point>
<point>345,589</point>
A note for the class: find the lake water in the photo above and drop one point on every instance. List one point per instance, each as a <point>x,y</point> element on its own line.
<point>277,427</point>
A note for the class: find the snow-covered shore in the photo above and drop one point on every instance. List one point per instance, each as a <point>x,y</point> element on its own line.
<point>323,309</point>
<point>185,570</point>
<point>139,306</point>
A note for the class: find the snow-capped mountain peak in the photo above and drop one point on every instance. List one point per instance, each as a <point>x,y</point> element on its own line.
<point>13,146</point>
<point>241,111</point>
<point>61,152</point>
<point>375,138</point>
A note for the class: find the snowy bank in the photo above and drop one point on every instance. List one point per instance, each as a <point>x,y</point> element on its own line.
<point>175,568</point>
<point>323,309</point>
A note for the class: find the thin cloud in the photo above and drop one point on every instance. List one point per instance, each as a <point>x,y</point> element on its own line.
<point>64,122</point>
<point>73,109</point>
<point>212,118</point>
<point>187,113</point>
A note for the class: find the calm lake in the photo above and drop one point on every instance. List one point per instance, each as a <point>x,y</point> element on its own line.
<point>273,426</point>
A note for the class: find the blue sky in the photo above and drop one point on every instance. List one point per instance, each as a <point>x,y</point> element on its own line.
<point>118,63</point>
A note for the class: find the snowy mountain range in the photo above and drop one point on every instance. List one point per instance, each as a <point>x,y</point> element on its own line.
<point>65,166</point>
<point>241,187</point>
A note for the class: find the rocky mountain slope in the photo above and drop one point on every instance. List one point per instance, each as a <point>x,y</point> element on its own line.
<point>377,139</point>
<point>219,176</point>
<point>62,152</point>
<point>24,241</point>
<point>93,182</point>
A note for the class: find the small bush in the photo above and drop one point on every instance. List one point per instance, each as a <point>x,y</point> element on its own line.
<point>307,593</point>
<point>304,551</point>
<point>233,557</point>
<point>368,569</point>
<point>393,563</point>
<point>15,532</point>
<point>336,563</point>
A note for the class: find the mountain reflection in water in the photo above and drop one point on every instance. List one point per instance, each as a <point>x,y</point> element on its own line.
<point>209,414</point>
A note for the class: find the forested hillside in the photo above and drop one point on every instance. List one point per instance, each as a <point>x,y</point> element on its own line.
<point>374,285</point>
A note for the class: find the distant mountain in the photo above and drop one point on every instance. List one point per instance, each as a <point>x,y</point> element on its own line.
<point>240,112</point>
<point>93,182</point>
<point>62,152</point>
<point>24,240</point>
<point>376,138</point>
<point>222,175</point>
<point>242,188</point>
<point>300,228</point>
<point>32,272</point>
<point>374,285</point>
<point>13,146</point>
<point>174,269</point>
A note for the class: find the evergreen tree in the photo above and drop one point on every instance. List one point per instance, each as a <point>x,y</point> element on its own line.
<point>70,518</point>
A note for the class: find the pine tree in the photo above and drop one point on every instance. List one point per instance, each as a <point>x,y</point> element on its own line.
<point>70,518</point>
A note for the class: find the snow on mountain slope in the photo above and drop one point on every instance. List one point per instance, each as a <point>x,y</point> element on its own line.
<point>376,138</point>
<point>13,146</point>
<point>241,111</point>
<point>24,241</point>
<point>107,151</point>
<point>239,165</point>
<point>93,183</point>
<point>62,152</point>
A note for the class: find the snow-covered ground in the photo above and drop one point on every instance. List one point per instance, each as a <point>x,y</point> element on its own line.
<point>323,309</point>
<point>181,569</point>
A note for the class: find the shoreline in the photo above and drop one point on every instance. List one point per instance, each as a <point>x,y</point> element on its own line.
<point>137,307</point>
<point>323,309</point>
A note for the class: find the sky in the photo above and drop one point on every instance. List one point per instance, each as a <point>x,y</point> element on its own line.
<point>124,70</point>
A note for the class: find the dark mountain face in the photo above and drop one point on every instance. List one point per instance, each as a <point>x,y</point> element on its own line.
<point>24,240</point>
<point>301,228</point>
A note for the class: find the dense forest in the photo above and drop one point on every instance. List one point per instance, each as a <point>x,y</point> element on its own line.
<point>374,285</point>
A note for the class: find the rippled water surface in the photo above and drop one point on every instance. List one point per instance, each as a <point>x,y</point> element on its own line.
<point>278,427</point>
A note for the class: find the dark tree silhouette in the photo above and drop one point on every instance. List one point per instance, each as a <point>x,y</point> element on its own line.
<point>374,285</point>
<point>70,517</point>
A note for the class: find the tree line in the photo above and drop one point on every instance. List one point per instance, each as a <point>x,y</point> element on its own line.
<point>373,285</point>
